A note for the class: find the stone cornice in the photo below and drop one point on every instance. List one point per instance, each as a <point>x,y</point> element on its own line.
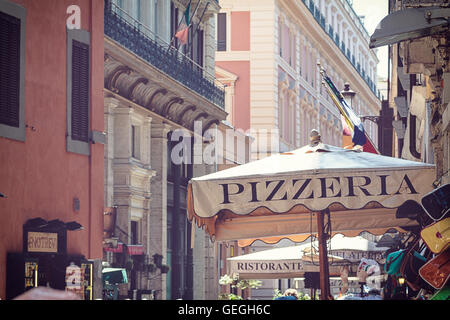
<point>131,78</point>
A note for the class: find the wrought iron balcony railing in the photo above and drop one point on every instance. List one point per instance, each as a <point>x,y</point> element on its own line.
<point>315,11</point>
<point>136,37</point>
<point>331,31</point>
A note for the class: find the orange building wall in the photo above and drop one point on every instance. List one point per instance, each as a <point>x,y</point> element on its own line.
<point>39,177</point>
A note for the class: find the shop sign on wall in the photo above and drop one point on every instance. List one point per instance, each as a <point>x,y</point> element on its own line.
<point>42,242</point>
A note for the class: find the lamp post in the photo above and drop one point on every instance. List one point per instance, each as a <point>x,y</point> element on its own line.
<point>348,94</point>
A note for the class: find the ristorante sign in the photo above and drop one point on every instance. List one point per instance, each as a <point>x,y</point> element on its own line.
<point>316,192</point>
<point>261,267</point>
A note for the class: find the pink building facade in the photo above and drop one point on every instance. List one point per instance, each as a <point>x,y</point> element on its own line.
<point>51,158</point>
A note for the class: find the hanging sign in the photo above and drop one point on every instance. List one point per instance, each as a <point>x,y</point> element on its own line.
<point>267,266</point>
<point>117,249</point>
<point>135,250</point>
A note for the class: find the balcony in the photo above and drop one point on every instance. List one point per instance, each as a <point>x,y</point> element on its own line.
<point>336,39</point>
<point>317,15</point>
<point>135,37</point>
<point>322,21</point>
<point>311,7</point>
<point>343,47</point>
<point>330,31</point>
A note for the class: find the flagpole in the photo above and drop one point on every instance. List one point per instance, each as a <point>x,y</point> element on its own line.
<point>192,16</point>
<point>198,25</point>
<point>333,92</point>
<point>336,102</point>
<point>179,23</point>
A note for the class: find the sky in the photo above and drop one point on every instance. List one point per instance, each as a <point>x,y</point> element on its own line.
<point>374,11</point>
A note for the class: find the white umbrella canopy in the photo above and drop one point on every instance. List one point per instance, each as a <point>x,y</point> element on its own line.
<point>294,261</point>
<point>278,195</point>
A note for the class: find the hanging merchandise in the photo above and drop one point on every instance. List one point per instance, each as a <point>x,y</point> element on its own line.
<point>393,262</point>
<point>437,270</point>
<point>437,202</point>
<point>443,294</point>
<point>412,262</point>
<point>437,235</point>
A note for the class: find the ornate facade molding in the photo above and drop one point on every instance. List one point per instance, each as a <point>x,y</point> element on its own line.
<point>166,101</point>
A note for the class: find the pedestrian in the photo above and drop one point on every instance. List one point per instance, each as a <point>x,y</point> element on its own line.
<point>289,294</point>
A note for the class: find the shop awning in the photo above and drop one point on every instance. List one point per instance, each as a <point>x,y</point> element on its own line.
<point>410,24</point>
<point>117,249</point>
<point>279,263</point>
<point>135,249</point>
<point>280,195</point>
<point>294,261</point>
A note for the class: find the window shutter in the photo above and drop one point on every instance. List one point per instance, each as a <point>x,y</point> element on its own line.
<point>80,91</point>
<point>9,70</point>
<point>200,48</point>
<point>222,32</point>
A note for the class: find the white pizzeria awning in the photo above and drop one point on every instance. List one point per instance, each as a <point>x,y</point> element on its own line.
<point>278,195</point>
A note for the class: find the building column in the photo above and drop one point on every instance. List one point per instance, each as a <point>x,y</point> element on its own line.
<point>110,105</point>
<point>204,257</point>
<point>158,205</point>
<point>122,153</point>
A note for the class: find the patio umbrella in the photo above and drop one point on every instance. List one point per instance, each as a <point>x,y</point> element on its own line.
<point>346,190</point>
<point>294,261</point>
<point>287,262</point>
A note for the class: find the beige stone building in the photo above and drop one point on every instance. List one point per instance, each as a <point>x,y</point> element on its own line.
<point>267,55</point>
<point>271,49</point>
<point>158,100</point>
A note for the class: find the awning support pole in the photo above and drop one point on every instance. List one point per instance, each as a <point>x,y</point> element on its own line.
<point>323,255</point>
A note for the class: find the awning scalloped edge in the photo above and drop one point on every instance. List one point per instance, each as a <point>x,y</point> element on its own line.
<point>208,224</point>
<point>297,238</point>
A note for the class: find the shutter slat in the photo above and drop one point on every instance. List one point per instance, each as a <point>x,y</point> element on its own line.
<point>9,70</point>
<point>80,91</point>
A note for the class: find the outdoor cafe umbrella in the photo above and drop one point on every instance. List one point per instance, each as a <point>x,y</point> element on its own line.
<point>294,261</point>
<point>281,194</point>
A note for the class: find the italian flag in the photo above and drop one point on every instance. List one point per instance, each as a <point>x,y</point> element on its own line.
<point>183,29</point>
